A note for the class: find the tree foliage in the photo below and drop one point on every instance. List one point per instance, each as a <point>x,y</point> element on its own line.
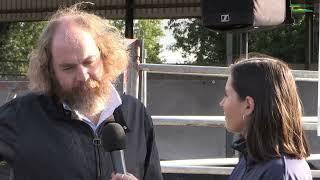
<point>285,42</point>
<point>193,39</point>
<point>208,47</point>
<point>150,31</point>
<point>16,41</point>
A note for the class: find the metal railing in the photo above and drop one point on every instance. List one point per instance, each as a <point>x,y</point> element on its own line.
<point>202,166</point>
<point>213,170</point>
<point>137,72</point>
<point>216,166</point>
<point>309,123</point>
<point>209,166</point>
<point>300,75</point>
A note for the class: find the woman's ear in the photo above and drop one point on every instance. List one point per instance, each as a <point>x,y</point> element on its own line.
<point>249,105</point>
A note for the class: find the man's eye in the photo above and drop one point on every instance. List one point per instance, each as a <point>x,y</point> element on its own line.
<point>67,68</point>
<point>87,63</point>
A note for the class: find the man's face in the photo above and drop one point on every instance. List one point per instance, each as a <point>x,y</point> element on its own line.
<point>78,69</point>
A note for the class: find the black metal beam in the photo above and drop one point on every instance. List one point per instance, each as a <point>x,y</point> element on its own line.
<point>102,7</point>
<point>129,18</point>
<point>309,40</point>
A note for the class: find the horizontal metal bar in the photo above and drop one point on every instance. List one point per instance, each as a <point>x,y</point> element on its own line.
<point>211,121</point>
<point>212,166</point>
<point>307,79</point>
<point>14,85</point>
<point>197,170</point>
<point>315,173</point>
<point>300,75</point>
<point>201,162</point>
<point>185,69</point>
<point>216,161</point>
<point>103,7</point>
<point>12,75</point>
<point>310,122</point>
<point>305,74</point>
<point>213,170</point>
<point>166,5</point>
<point>313,157</point>
<point>13,61</point>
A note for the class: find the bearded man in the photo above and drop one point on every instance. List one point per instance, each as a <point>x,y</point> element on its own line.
<point>54,132</point>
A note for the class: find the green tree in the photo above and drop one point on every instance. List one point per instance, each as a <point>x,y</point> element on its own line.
<point>285,42</point>
<point>17,39</point>
<point>150,31</point>
<point>208,47</point>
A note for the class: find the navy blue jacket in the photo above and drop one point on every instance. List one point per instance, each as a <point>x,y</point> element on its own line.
<point>43,141</point>
<point>283,168</point>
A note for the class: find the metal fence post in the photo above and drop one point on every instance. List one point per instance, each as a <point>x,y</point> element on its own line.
<point>319,77</point>
<point>131,76</point>
<point>143,77</point>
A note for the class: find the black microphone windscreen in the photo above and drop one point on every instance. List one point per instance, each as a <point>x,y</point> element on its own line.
<point>113,137</point>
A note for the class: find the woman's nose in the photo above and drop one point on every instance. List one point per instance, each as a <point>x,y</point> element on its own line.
<point>221,102</point>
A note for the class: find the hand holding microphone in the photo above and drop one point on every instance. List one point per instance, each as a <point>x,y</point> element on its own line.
<point>114,141</point>
<point>127,176</point>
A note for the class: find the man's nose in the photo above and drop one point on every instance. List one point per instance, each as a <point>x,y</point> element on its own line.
<point>83,74</point>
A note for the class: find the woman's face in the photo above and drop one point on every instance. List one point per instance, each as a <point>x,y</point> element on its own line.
<point>234,109</point>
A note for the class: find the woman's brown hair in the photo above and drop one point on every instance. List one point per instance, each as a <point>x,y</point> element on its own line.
<point>275,126</point>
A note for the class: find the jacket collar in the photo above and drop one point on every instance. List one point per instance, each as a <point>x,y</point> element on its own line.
<point>111,104</point>
<point>60,113</point>
<point>241,146</point>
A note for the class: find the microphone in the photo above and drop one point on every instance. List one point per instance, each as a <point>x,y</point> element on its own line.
<point>114,141</point>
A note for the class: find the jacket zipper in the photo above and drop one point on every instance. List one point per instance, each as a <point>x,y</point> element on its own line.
<point>97,143</point>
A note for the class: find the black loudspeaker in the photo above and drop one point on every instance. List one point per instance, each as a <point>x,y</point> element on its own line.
<point>229,15</point>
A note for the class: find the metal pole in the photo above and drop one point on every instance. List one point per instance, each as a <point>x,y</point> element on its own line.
<point>129,19</point>
<point>131,76</point>
<point>309,39</point>
<point>318,73</point>
<point>241,48</point>
<point>230,55</point>
<point>229,46</point>
<point>244,44</point>
<point>143,77</point>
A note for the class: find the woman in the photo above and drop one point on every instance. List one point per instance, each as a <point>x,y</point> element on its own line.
<point>261,103</point>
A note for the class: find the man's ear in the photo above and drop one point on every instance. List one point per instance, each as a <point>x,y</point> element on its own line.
<point>249,105</point>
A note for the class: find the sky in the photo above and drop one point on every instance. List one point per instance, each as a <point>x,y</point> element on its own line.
<point>171,57</point>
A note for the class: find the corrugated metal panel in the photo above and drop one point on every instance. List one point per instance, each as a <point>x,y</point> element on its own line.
<point>167,8</point>
<point>34,10</point>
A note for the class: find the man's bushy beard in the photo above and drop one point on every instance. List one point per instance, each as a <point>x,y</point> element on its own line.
<point>89,98</point>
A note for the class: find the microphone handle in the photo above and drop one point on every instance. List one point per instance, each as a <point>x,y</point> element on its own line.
<point>118,162</point>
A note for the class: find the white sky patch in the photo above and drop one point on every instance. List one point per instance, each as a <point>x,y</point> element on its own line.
<point>166,54</point>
